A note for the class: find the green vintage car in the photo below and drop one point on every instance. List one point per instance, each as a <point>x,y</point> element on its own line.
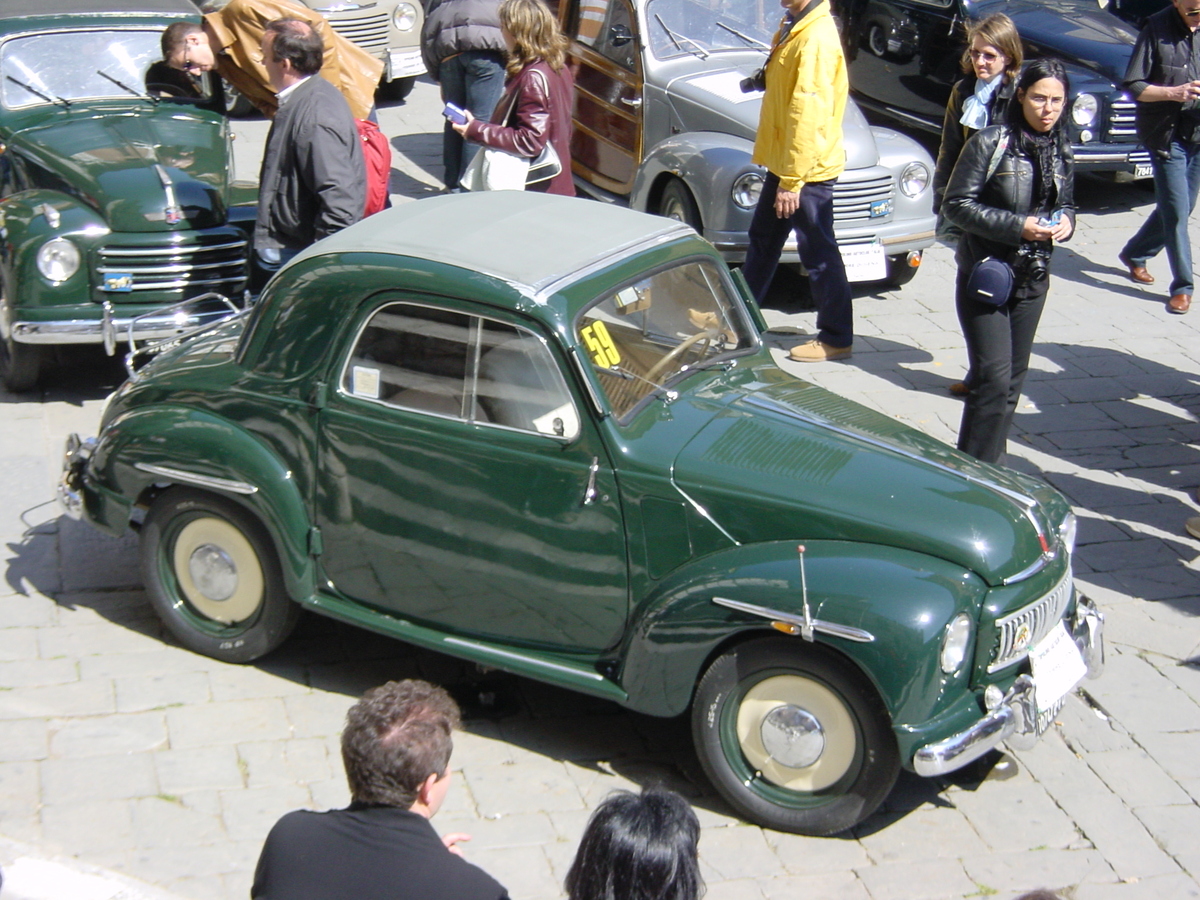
<point>543,434</point>
<point>116,197</point>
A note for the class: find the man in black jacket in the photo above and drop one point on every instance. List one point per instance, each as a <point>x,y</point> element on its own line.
<point>1164,76</point>
<point>396,750</point>
<point>313,180</point>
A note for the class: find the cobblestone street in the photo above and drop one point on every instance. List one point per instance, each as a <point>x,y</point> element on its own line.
<point>143,770</point>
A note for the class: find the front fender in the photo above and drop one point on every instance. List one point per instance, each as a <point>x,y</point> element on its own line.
<point>201,446</point>
<point>902,598</point>
<point>708,162</point>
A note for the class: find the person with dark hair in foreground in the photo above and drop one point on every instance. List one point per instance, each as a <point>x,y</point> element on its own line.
<point>638,847</point>
<point>396,750</point>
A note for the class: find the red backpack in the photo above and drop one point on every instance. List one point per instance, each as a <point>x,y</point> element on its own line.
<point>377,154</point>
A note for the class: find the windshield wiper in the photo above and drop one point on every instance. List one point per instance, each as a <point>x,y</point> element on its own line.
<point>753,42</point>
<point>33,90</point>
<point>123,86</point>
<point>676,38</point>
<point>668,396</point>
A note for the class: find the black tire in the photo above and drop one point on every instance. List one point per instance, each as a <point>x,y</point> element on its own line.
<point>676,202</point>
<point>841,770</point>
<point>397,90</point>
<point>900,272</point>
<point>242,612</point>
<point>877,40</point>
<point>20,364</point>
<point>237,104</point>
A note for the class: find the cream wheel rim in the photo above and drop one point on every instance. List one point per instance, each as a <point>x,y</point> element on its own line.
<point>218,570</point>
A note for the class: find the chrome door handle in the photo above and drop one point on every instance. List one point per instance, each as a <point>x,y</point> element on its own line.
<point>635,103</point>
<point>589,493</point>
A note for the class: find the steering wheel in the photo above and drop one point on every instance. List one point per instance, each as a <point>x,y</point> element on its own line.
<point>683,347</point>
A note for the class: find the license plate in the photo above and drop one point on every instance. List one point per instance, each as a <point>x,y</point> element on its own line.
<point>118,282</point>
<point>864,262</point>
<point>403,63</point>
<point>1143,170</point>
<point>881,208</point>
<point>1057,667</point>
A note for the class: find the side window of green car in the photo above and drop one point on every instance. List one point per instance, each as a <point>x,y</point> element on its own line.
<point>452,364</point>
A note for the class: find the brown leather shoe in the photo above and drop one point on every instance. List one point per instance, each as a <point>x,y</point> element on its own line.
<point>1192,527</point>
<point>959,389</point>
<point>1136,273</point>
<point>1180,303</point>
<point>818,351</point>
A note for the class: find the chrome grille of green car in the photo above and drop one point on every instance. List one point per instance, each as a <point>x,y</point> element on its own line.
<point>1022,629</point>
<point>862,201</point>
<point>1121,124</point>
<point>182,267</point>
<point>369,31</point>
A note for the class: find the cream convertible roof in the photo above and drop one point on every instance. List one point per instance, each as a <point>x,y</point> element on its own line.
<point>520,237</point>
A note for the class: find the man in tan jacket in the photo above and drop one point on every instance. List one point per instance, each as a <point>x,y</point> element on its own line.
<point>230,42</point>
<point>799,142</point>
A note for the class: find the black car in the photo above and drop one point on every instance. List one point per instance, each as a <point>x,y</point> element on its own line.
<point>904,57</point>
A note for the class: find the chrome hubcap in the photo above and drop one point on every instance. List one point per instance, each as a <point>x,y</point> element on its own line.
<point>213,572</point>
<point>793,736</point>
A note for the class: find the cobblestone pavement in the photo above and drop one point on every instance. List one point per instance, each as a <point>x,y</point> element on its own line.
<point>122,753</point>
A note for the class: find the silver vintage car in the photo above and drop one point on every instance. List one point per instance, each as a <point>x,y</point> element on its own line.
<point>662,124</point>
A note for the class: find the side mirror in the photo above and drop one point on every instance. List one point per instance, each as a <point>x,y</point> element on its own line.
<point>620,35</point>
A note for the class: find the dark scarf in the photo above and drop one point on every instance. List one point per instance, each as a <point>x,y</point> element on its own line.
<point>1040,147</point>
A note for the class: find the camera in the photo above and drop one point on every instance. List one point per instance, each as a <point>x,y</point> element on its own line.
<point>756,82</point>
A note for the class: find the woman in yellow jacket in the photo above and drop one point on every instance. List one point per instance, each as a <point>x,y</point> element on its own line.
<point>799,142</point>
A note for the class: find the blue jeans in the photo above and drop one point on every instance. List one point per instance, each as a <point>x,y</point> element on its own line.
<point>813,224</point>
<point>473,80</point>
<point>1176,183</point>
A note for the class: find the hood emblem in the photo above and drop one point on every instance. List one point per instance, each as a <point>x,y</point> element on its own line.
<point>1023,636</point>
<point>173,215</point>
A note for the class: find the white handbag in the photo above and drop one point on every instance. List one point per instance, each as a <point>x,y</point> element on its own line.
<point>498,170</point>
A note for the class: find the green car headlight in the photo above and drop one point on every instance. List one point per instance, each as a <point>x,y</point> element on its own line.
<point>746,190</point>
<point>58,259</point>
<point>404,16</point>
<point>955,643</point>
<point>1084,110</point>
<point>914,179</point>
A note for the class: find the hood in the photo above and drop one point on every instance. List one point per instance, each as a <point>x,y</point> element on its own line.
<point>117,164</point>
<point>710,100</point>
<point>1075,31</point>
<point>794,460</point>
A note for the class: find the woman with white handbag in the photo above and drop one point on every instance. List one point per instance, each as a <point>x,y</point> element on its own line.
<point>528,141</point>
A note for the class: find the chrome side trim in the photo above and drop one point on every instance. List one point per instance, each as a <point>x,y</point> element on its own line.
<point>527,660</point>
<point>848,632</point>
<point>701,511</point>
<point>208,481</point>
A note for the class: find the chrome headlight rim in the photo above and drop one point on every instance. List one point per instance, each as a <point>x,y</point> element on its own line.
<point>955,643</point>
<point>914,179</point>
<point>58,260</point>
<point>404,17</point>
<point>746,189</point>
<point>1085,109</point>
<point>1068,529</point>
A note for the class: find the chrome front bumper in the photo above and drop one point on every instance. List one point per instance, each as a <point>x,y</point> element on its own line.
<point>1016,716</point>
<point>169,322</point>
<point>70,483</point>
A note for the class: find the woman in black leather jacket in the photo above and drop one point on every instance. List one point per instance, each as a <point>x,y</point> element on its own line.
<point>1012,194</point>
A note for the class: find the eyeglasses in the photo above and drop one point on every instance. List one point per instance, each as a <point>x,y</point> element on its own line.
<point>984,55</point>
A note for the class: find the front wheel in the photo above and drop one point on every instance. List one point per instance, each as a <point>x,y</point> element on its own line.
<point>214,578</point>
<point>20,364</point>
<point>793,739</point>
<point>899,271</point>
<point>677,203</point>
<point>396,90</point>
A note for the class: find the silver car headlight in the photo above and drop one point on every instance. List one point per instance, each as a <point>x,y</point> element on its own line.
<point>404,16</point>
<point>58,259</point>
<point>1084,110</point>
<point>1066,533</point>
<point>747,189</point>
<point>914,179</point>
<point>955,643</point>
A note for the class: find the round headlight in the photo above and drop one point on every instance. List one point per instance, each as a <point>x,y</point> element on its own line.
<point>1084,110</point>
<point>954,644</point>
<point>404,16</point>
<point>58,259</point>
<point>1066,532</point>
<point>914,179</point>
<point>746,190</point>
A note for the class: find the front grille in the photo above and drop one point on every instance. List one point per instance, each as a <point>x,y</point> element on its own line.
<point>1019,631</point>
<point>369,31</point>
<point>184,267</point>
<point>1122,126</point>
<point>852,200</point>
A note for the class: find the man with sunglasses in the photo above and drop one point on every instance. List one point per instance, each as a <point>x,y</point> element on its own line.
<point>1164,77</point>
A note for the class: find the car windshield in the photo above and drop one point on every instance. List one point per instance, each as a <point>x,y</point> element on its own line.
<point>700,27</point>
<point>642,336</point>
<point>64,66</point>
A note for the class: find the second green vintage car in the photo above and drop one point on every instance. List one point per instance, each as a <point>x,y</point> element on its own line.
<point>544,434</point>
<point>116,203</point>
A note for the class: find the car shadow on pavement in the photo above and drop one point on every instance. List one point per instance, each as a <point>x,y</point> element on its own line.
<point>74,374</point>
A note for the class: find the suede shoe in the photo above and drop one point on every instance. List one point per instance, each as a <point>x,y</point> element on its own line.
<point>1192,527</point>
<point>1179,303</point>
<point>818,351</point>
<point>1136,273</point>
<point>959,389</point>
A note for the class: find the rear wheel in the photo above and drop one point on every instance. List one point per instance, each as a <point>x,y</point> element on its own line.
<point>792,739</point>
<point>677,203</point>
<point>214,578</point>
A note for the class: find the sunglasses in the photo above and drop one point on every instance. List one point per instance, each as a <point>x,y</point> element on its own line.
<point>983,55</point>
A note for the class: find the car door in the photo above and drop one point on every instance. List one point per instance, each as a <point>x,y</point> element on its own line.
<point>606,146</point>
<point>464,486</point>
